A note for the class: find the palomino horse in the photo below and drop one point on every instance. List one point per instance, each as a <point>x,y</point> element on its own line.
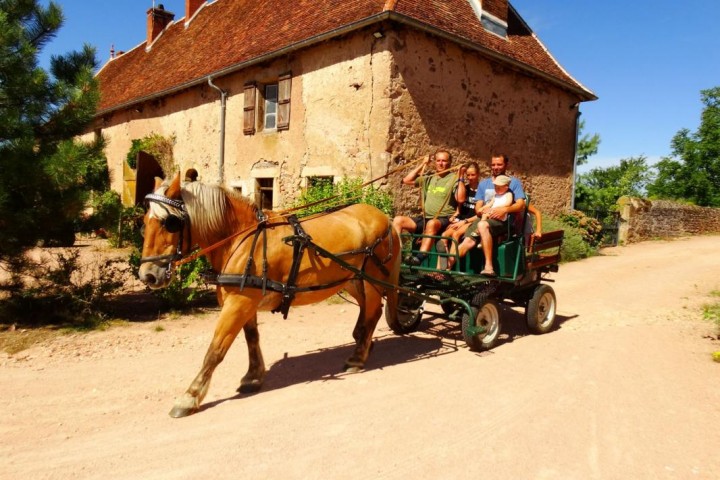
<point>266,262</point>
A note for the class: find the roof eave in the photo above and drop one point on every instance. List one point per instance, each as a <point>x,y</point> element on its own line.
<point>254,61</point>
<point>583,93</point>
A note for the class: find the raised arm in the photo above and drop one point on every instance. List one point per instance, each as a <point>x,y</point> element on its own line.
<point>410,178</point>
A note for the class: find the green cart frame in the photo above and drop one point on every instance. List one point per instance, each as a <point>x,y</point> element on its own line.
<point>473,299</point>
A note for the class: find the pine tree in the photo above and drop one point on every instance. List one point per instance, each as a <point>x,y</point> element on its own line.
<point>45,176</point>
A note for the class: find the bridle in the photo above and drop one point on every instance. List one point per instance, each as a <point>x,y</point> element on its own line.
<point>172,224</point>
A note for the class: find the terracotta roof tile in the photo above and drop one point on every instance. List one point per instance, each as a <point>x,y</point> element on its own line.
<point>230,32</point>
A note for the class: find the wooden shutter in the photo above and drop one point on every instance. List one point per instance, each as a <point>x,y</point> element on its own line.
<point>249,109</point>
<point>283,112</point>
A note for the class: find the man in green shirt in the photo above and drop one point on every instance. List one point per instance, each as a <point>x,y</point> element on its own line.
<point>442,195</point>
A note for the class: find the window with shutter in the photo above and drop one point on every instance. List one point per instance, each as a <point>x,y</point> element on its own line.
<point>271,106</point>
<point>249,109</point>
<point>283,110</point>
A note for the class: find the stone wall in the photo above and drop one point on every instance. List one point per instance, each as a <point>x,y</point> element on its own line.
<point>446,96</point>
<point>647,219</point>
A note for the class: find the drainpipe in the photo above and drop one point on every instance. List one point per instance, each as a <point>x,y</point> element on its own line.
<point>575,155</point>
<point>221,160</point>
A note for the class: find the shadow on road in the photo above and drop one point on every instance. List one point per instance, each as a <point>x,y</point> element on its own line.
<point>326,364</point>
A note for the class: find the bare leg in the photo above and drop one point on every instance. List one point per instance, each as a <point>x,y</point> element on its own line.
<point>466,245</point>
<point>487,245</point>
<point>432,227</point>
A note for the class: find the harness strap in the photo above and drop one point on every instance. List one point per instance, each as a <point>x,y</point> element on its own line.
<point>251,259</point>
<point>300,241</point>
<point>253,281</point>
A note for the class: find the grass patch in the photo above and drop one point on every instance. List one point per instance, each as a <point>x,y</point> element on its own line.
<point>13,341</point>
<point>712,312</point>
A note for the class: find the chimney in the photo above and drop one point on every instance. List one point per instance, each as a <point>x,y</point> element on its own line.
<point>157,19</point>
<point>191,6</point>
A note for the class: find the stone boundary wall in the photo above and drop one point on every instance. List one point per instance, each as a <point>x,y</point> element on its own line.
<point>642,219</point>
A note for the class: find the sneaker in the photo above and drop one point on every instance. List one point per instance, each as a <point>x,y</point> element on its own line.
<point>412,260</point>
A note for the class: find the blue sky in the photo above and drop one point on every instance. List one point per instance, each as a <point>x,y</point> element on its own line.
<point>646,60</point>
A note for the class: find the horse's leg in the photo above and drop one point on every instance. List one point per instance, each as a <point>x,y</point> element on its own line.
<point>370,301</point>
<point>253,379</point>
<point>232,318</point>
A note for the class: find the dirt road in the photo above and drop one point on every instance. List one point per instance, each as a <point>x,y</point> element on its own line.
<point>624,388</point>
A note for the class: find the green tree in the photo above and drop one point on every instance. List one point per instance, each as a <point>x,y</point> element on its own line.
<point>45,175</point>
<point>600,188</point>
<point>587,144</point>
<point>692,173</point>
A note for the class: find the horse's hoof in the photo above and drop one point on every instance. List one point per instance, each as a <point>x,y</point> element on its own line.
<point>250,387</point>
<point>353,368</point>
<point>180,412</point>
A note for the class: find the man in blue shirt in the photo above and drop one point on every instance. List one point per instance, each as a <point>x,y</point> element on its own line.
<point>485,193</point>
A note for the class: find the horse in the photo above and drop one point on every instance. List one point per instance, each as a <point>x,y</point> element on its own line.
<point>268,261</point>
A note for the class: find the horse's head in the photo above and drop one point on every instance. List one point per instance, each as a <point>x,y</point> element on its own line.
<point>166,234</point>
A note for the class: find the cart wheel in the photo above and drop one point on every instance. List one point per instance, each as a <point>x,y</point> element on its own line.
<point>487,316</point>
<point>407,316</point>
<point>540,311</point>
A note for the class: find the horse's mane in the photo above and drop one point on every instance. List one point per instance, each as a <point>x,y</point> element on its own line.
<point>214,210</point>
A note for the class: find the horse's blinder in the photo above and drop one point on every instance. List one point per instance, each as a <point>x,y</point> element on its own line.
<point>171,224</point>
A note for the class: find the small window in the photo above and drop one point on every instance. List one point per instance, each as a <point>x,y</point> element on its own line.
<point>265,193</point>
<point>271,106</point>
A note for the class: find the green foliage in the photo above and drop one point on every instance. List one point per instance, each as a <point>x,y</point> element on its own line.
<point>587,145</point>
<point>574,246</point>
<point>45,175</point>
<point>600,188</point>
<point>187,284</point>
<point>156,145</point>
<point>590,229</point>
<point>135,148</point>
<point>693,172</point>
<point>347,192</point>
<point>64,292</point>
<point>712,311</point>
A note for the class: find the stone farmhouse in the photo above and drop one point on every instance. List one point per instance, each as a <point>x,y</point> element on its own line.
<point>266,96</point>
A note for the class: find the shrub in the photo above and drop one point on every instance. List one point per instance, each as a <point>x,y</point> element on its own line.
<point>156,145</point>
<point>574,246</point>
<point>347,192</point>
<point>186,286</point>
<point>589,228</point>
<point>61,291</point>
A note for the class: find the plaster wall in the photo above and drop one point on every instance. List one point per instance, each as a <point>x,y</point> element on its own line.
<point>447,96</point>
<point>339,119</point>
<point>361,106</point>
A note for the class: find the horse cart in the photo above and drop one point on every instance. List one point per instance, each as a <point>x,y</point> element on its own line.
<point>268,261</point>
<point>472,299</point>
